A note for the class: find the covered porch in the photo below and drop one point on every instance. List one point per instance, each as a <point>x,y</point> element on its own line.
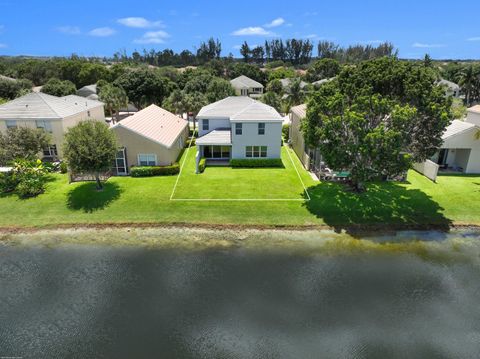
<point>215,147</point>
<point>452,159</point>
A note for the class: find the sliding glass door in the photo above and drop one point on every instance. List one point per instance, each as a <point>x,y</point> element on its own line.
<point>216,152</point>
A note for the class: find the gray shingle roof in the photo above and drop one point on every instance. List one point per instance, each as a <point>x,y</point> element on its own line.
<point>40,105</point>
<point>88,90</point>
<point>244,82</point>
<point>239,108</point>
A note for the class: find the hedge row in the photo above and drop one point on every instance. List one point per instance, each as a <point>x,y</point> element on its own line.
<point>202,164</point>
<point>149,171</point>
<point>259,162</point>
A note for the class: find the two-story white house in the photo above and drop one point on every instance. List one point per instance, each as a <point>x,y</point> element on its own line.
<point>238,127</point>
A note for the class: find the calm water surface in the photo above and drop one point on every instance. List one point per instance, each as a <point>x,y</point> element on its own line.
<point>84,301</point>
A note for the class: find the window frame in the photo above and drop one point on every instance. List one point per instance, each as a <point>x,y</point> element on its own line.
<point>8,123</point>
<point>261,128</point>
<point>44,125</point>
<point>238,129</point>
<point>256,151</point>
<point>206,123</point>
<point>147,155</point>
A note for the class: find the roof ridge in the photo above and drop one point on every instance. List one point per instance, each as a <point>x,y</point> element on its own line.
<point>244,109</point>
<point>42,96</point>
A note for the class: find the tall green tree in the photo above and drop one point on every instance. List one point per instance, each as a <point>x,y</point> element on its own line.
<point>323,69</point>
<point>90,147</point>
<point>245,51</point>
<point>377,118</point>
<point>56,87</point>
<point>219,89</point>
<point>22,142</point>
<point>114,98</point>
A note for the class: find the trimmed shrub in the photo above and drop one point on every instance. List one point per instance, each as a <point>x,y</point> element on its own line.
<point>286,132</point>
<point>202,164</point>
<point>149,171</point>
<point>63,167</point>
<point>8,182</point>
<point>259,162</point>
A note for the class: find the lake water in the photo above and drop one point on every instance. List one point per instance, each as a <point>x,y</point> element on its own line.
<point>114,301</point>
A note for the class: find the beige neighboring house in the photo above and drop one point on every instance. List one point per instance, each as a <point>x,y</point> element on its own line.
<point>49,113</point>
<point>151,137</point>
<point>245,86</point>
<point>310,157</point>
<point>460,151</point>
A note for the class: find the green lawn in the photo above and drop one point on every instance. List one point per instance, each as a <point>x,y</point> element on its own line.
<point>454,199</point>
<point>239,183</point>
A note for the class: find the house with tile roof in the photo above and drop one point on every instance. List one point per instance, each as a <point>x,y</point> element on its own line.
<point>49,113</point>
<point>238,127</point>
<point>460,150</point>
<point>245,86</point>
<point>151,137</point>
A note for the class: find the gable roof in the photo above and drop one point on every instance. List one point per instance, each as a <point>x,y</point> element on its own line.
<point>88,90</point>
<point>37,105</point>
<point>300,110</point>
<point>240,108</point>
<point>155,124</point>
<point>244,82</point>
<point>457,127</point>
<point>288,82</point>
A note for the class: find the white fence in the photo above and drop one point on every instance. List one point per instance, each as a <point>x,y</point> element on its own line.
<point>428,168</point>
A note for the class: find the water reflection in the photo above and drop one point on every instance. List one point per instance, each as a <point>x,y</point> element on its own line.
<point>80,301</point>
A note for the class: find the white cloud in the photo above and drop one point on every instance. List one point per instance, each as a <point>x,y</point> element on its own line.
<point>69,30</point>
<point>274,23</point>
<point>477,38</point>
<point>153,37</point>
<point>102,32</point>
<point>2,46</point>
<point>252,31</point>
<point>427,46</point>
<point>139,22</point>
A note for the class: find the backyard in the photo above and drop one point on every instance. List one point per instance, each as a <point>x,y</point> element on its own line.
<point>418,202</point>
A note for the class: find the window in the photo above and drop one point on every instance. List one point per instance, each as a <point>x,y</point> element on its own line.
<point>238,129</point>
<point>11,123</point>
<point>261,128</point>
<point>50,151</point>
<point>44,125</point>
<point>88,114</point>
<point>205,125</point>
<point>256,151</point>
<point>148,159</point>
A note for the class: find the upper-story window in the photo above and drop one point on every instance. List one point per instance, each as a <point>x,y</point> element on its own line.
<point>261,128</point>
<point>238,129</point>
<point>11,123</point>
<point>44,125</point>
<point>205,125</point>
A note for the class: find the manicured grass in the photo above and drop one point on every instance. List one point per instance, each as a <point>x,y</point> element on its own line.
<point>454,199</point>
<point>239,183</point>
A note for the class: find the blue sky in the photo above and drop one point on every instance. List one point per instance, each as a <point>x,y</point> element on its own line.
<point>444,29</point>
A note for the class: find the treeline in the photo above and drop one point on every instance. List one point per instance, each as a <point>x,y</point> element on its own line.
<point>294,51</point>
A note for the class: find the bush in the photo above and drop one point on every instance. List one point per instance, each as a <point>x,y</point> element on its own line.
<point>149,171</point>
<point>8,182</point>
<point>202,165</point>
<point>31,177</point>
<point>63,167</point>
<point>286,132</point>
<point>31,186</point>
<point>260,162</point>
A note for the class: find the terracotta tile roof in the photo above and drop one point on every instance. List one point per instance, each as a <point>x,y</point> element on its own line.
<point>156,124</point>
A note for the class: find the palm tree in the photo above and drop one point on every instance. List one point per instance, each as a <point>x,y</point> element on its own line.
<point>468,81</point>
<point>114,98</point>
<point>295,93</point>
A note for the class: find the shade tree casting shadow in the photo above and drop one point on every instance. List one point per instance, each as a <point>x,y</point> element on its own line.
<point>86,198</point>
<point>384,206</point>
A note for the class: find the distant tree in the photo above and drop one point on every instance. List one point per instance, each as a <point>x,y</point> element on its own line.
<point>218,89</point>
<point>11,89</point>
<point>322,69</point>
<point>22,142</point>
<point>56,87</point>
<point>327,50</point>
<point>275,86</point>
<point>144,87</point>
<point>295,93</point>
<point>174,102</point>
<point>427,61</point>
<point>281,73</point>
<point>258,54</point>
<point>468,81</point>
<point>209,50</point>
<point>193,103</point>
<point>245,52</point>
<point>272,99</point>
<point>90,147</point>
<point>114,98</point>
<point>216,67</point>
<point>91,73</point>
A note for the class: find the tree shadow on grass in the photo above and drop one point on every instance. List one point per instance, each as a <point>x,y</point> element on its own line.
<point>85,197</point>
<point>383,207</point>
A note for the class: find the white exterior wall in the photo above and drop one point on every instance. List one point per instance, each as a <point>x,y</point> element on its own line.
<point>214,123</point>
<point>428,168</point>
<point>473,117</point>
<point>464,141</point>
<point>250,137</point>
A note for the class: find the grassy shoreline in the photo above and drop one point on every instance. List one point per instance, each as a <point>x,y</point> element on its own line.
<point>416,204</point>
